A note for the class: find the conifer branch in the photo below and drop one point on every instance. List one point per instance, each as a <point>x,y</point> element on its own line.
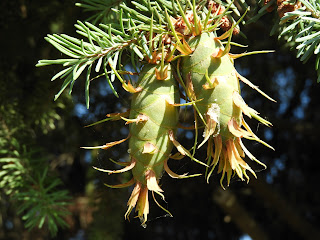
<point>25,177</point>
<point>100,10</point>
<point>101,46</point>
<point>104,44</point>
<point>298,22</point>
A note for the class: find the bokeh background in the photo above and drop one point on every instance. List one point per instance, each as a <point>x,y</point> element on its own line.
<point>283,203</point>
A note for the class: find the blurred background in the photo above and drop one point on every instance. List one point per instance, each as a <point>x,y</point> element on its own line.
<point>283,203</point>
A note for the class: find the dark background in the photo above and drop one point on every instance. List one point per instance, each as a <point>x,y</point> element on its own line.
<point>283,203</point>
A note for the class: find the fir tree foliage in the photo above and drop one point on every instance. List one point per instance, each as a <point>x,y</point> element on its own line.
<point>302,27</point>
<point>100,11</point>
<point>104,45</point>
<point>298,22</point>
<point>25,176</point>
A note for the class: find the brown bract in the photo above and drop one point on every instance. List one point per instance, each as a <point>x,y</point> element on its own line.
<point>225,22</point>
<point>216,7</point>
<point>283,6</point>
<point>181,26</point>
